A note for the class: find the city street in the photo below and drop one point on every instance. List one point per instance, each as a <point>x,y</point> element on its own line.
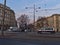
<point>30,38</point>
<point>32,35</point>
<point>10,41</point>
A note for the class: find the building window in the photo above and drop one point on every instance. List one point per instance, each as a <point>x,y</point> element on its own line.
<point>6,15</point>
<point>0,21</point>
<point>1,18</point>
<point>0,12</point>
<point>6,19</point>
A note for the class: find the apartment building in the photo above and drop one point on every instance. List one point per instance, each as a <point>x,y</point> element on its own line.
<point>54,21</point>
<point>51,21</point>
<point>9,19</point>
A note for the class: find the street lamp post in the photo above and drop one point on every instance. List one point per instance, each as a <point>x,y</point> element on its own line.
<point>3,17</point>
<point>34,11</point>
<point>34,14</point>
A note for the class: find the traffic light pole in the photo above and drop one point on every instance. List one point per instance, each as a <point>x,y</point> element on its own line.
<point>3,17</point>
<point>34,15</point>
<point>34,11</point>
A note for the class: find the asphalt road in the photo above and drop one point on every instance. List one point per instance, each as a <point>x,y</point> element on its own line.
<point>31,35</point>
<point>10,41</point>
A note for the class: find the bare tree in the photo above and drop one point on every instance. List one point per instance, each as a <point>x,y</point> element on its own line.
<point>42,22</point>
<point>23,21</point>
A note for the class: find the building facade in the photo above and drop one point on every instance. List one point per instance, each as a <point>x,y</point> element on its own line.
<point>42,22</point>
<point>51,21</point>
<point>9,19</point>
<point>54,21</point>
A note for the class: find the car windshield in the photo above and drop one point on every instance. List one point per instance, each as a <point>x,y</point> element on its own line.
<point>42,28</point>
<point>48,28</point>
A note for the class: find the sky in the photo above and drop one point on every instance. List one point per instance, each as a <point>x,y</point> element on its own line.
<point>19,7</point>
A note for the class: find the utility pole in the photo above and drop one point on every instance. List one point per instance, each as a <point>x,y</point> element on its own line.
<point>3,17</point>
<point>34,12</point>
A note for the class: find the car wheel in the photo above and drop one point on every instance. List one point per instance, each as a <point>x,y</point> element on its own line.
<point>39,32</point>
<point>53,32</point>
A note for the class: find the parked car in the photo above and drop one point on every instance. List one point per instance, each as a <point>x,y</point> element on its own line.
<point>13,29</point>
<point>9,30</point>
<point>50,30</point>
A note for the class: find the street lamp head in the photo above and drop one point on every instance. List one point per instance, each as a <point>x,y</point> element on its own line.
<point>36,11</point>
<point>39,7</point>
<point>26,8</point>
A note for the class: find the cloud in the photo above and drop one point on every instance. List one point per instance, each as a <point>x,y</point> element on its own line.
<point>41,13</point>
<point>56,9</point>
<point>57,6</point>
